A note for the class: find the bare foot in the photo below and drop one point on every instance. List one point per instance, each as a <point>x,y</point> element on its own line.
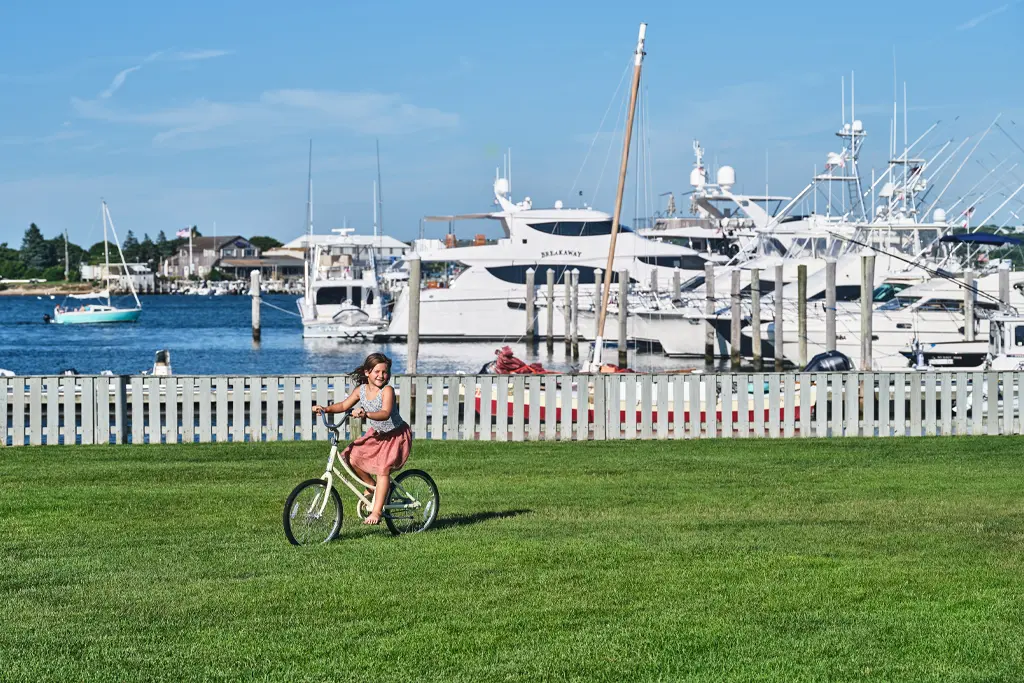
<point>373,519</point>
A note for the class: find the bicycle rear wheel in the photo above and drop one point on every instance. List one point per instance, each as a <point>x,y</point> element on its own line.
<point>304,523</point>
<point>416,489</point>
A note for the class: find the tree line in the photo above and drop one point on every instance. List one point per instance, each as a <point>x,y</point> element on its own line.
<point>44,259</point>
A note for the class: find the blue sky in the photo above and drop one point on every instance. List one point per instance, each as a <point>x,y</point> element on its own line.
<point>189,113</point>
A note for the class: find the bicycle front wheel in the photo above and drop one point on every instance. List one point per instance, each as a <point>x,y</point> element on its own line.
<point>416,500</point>
<point>312,513</point>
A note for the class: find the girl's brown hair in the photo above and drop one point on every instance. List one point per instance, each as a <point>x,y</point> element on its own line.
<point>359,375</point>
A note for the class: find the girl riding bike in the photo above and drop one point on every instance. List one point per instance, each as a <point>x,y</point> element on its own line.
<point>386,445</point>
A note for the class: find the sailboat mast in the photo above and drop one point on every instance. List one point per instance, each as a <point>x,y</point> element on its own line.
<point>106,251</point>
<point>606,289</point>
<point>308,270</point>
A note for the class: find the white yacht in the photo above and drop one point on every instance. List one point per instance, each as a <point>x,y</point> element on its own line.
<point>343,299</point>
<point>482,292</point>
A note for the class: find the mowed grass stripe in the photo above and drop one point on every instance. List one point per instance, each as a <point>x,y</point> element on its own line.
<point>708,561</point>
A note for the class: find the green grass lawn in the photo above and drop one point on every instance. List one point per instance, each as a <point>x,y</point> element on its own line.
<point>709,561</point>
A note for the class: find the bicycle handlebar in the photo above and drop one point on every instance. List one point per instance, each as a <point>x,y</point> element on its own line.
<point>344,419</point>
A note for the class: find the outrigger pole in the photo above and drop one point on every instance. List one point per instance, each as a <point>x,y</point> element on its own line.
<point>595,363</point>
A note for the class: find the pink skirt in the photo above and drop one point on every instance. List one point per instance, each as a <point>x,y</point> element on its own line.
<point>379,453</point>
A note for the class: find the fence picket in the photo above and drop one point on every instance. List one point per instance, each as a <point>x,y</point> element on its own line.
<point>451,419</point>
<point>961,403</point>
<point>992,414</point>
<point>806,390</point>
<point>584,406</point>
<point>726,401</point>
<point>946,400</point>
<point>533,385</point>
<point>405,402</point>
<point>550,407</point>
<point>774,407</point>
<point>205,396</point>
<point>742,399</point>
<point>136,417</point>
<point>821,405</point>
<point>851,388</point>
<point>646,407</point>
<point>601,407</point>
<point>977,403</point>
<point>52,414</point>
<point>900,403</point>
<point>69,432</point>
<point>4,384</point>
<point>662,394</point>
<point>188,409</point>
<point>485,410</point>
<point>437,408</point>
<point>836,384</point>
<point>884,389</point>
<point>273,432</point>
<point>154,432</point>
<point>566,399</point>
<point>1009,396</point>
<point>171,389</point>
<point>789,405</point>
<point>18,412</point>
<point>89,429</point>
<point>221,419</point>
<point>1018,380</point>
<point>256,412</point>
<point>711,406</point>
<point>629,419</point>
<point>929,405</point>
<point>757,391</point>
<point>305,408</point>
<point>915,404</point>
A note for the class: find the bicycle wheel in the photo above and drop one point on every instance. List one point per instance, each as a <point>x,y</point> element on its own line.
<point>415,488</point>
<point>304,524</point>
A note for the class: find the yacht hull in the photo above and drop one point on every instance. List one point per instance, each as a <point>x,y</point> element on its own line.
<point>94,317</point>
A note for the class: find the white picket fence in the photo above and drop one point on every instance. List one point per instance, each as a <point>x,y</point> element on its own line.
<point>185,409</point>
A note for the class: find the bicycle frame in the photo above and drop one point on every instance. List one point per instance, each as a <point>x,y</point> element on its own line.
<point>331,474</point>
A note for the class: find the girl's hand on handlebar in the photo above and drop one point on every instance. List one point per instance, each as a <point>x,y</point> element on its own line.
<point>358,413</point>
<point>318,409</point>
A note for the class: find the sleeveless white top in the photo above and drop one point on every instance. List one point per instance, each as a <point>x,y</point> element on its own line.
<point>393,421</point>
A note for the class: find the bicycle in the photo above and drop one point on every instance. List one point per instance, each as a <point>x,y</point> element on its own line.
<point>313,512</point>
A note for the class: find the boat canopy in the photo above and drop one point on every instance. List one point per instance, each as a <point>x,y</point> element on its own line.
<point>983,238</point>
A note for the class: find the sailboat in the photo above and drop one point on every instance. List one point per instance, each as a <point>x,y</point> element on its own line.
<point>101,312</point>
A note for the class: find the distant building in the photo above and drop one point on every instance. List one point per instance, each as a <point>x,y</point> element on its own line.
<point>140,275</point>
<point>343,243</point>
<point>208,253</point>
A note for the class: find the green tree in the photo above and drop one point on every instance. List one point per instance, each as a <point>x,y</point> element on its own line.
<point>163,248</point>
<point>95,254</point>
<point>11,265</point>
<point>147,252</point>
<point>130,247</point>
<point>263,243</point>
<point>36,252</point>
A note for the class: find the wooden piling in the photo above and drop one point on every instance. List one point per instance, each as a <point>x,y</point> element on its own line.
<point>531,307</point>
<point>709,311</point>
<point>413,333</point>
<point>755,318</point>
<point>675,285</point>
<point>598,281</point>
<point>801,308</point>
<point>567,311</point>
<point>575,312</point>
<point>254,289</point>
<point>734,329</point>
<point>623,312</point>
<point>777,337</point>
<point>867,287</point>
<point>969,296</point>
<point>830,305</point>
<point>551,310</point>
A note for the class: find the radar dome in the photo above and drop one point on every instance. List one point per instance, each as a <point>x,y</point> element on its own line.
<point>501,186</point>
<point>697,178</point>
<point>939,215</point>
<point>727,176</point>
<point>558,203</point>
<point>858,126</point>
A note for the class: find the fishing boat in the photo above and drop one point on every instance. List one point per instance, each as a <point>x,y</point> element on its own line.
<point>95,313</point>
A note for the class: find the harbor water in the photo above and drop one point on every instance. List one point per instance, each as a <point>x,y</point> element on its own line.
<point>212,335</point>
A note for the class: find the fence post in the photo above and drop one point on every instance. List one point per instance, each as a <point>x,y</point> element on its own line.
<point>121,413</point>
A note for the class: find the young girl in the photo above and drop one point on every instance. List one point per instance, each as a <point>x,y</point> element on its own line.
<point>387,443</point>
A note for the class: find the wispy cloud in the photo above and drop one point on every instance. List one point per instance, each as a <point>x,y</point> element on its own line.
<point>59,136</point>
<point>181,56</point>
<point>197,55</point>
<point>985,16</point>
<point>367,113</point>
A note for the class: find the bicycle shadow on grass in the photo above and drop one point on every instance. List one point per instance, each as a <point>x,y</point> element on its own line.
<point>475,518</point>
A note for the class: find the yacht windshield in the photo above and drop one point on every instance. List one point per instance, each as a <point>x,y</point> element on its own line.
<point>897,303</point>
<point>887,290</point>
